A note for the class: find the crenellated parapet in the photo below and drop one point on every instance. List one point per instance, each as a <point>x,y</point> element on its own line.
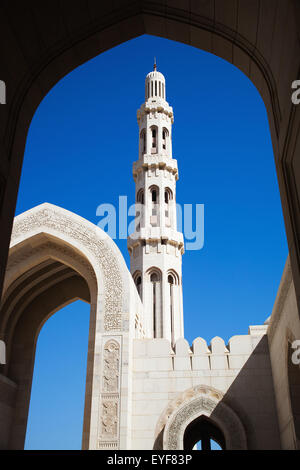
<point>158,354</point>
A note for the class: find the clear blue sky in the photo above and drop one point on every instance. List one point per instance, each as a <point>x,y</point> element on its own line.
<point>79,153</point>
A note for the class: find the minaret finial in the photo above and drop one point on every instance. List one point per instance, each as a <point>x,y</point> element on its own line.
<point>154,66</point>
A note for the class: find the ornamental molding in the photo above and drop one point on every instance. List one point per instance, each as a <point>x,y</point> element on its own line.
<point>191,404</point>
<point>184,397</point>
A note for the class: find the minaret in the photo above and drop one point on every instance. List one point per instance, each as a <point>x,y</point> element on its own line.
<point>156,247</point>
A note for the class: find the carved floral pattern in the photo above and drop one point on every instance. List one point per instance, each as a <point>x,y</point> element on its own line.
<point>109,419</point>
<point>111,367</point>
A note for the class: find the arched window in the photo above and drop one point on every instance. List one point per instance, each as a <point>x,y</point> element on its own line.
<point>139,213</point>
<point>171,282</point>
<point>203,434</point>
<point>154,192</point>
<point>165,135</point>
<point>139,285</point>
<point>140,196</point>
<point>155,280</point>
<point>154,138</point>
<point>168,196</point>
<point>173,277</point>
<point>154,277</point>
<point>143,141</point>
<point>138,282</point>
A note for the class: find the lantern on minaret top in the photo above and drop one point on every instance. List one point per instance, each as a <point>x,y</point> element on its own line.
<point>156,247</point>
<point>152,140</point>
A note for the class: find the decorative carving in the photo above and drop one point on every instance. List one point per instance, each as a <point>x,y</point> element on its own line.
<point>112,322</point>
<point>209,403</point>
<point>109,419</point>
<point>107,445</point>
<point>184,397</point>
<point>110,396</point>
<point>196,406</point>
<point>92,241</point>
<point>111,367</point>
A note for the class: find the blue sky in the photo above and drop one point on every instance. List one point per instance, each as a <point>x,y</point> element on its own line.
<point>79,153</point>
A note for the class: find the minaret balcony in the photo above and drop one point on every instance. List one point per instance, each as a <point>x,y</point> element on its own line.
<point>156,233</point>
<point>153,105</point>
<point>155,161</point>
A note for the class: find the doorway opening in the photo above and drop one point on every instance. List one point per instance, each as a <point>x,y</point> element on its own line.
<point>55,417</point>
<point>203,434</point>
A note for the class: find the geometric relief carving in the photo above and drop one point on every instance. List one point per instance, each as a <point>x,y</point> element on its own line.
<point>112,322</point>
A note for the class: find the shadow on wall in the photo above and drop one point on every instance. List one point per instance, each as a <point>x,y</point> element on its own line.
<point>251,395</point>
<point>250,398</point>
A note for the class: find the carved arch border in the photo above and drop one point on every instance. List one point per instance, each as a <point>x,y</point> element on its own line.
<point>101,252</point>
<point>205,401</point>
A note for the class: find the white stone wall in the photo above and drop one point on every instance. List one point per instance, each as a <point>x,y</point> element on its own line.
<point>241,371</point>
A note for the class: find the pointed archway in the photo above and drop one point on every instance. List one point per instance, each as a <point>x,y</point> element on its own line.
<point>55,258</point>
<point>200,413</point>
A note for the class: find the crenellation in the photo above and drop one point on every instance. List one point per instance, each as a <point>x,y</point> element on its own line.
<point>182,357</point>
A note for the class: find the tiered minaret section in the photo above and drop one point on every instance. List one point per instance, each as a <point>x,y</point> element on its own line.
<point>156,247</point>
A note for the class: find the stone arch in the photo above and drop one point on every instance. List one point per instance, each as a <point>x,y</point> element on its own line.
<point>257,38</point>
<point>153,270</point>
<point>93,243</point>
<point>192,404</point>
<point>248,36</point>
<point>174,275</point>
<point>40,264</point>
<point>55,258</point>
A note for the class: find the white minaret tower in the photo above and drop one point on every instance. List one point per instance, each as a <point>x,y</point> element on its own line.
<point>156,247</point>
